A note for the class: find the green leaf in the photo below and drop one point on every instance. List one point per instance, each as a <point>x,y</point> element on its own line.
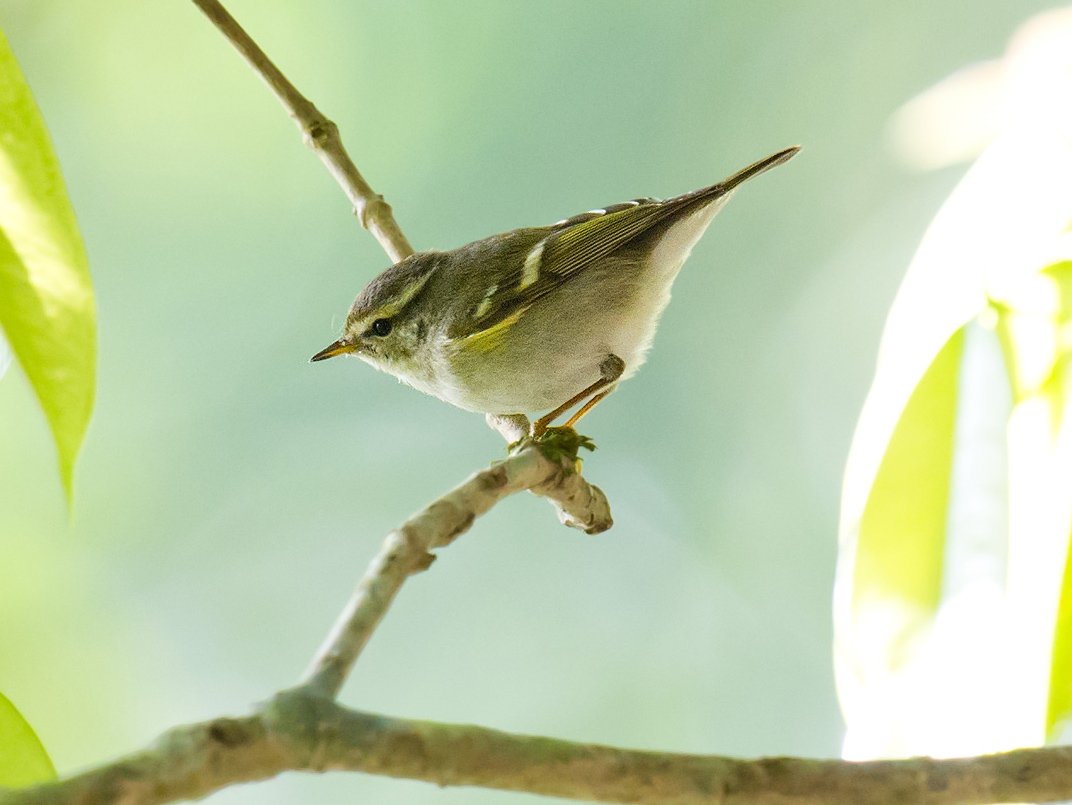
<point>899,544</point>
<point>1035,324</point>
<point>46,297</point>
<point>902,531</point>
<point>5,354</point>
<point>23,760</point>
<point>911,668</point>
<point>1059,704</point>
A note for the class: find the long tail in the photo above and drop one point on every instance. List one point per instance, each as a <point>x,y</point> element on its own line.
<point>757,168</point>
<point>721,192</point>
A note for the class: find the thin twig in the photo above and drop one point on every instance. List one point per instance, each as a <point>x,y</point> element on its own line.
<point>319,133</point>
<point>303,729</point>
<point>300,732</point>
<point>406,549</point>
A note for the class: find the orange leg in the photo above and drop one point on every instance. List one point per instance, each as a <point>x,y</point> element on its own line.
<point>588,406</point>
<point>611,369</point>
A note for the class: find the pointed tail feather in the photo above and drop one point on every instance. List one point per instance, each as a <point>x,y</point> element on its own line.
<point>762,166</point>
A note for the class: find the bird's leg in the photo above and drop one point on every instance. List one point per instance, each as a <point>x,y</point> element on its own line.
<point>610,370</point>
<point>588,406</point>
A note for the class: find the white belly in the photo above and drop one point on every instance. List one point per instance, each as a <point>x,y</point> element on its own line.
<point>555,349</point>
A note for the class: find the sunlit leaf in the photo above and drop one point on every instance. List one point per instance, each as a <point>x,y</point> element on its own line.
<point>6,356</point>
<point>1035,323</point>
<point>23,760</point>
<point>937,603</point>
<point>1059,706</point>
<point>46,298</point>
<point>902,532</point>
<point>890,567</point>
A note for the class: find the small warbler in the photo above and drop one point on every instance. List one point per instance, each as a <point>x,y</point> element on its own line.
<point>538,318</point>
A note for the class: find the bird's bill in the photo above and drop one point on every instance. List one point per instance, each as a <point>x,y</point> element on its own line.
<point>340,347</point>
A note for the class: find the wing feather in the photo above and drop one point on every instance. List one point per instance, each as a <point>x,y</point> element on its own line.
<point>565,250</point>
<point>541,260</point>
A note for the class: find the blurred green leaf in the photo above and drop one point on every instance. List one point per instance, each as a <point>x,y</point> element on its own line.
<point>1034,322</point>
<point>1059,704</point>
<point>23,760</point>
<point>46,297</point>
<point>1033,319</point>
<point>902,531</point>
<point>5,354</point>
<point>945,593</point>
<point>896,575</point>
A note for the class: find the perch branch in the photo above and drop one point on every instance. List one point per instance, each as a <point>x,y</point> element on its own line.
<point>319,133</point>
<point>304,729</point>
<point>407,549</point>
<point>297,731</point>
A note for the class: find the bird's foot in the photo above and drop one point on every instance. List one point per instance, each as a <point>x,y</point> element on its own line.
<point>560,443</point>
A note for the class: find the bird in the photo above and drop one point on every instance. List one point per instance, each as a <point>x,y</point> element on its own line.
<point>536,318</point>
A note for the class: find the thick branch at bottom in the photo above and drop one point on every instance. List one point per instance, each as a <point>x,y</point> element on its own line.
<point>297,731</point>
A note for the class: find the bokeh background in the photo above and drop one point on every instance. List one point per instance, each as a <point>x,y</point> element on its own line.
<point>230,494</point>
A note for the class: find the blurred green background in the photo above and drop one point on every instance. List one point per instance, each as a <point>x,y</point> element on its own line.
<point>229,494</point>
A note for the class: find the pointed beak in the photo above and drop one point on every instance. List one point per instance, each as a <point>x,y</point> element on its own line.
<point>340,347</point>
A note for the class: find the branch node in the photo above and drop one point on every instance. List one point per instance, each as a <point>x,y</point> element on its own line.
<point>422,562</point>
<point>512,427</point>
<point>372,209</point>
<point>318,130</point>
<point>560,445</point>
<point>229,732</point>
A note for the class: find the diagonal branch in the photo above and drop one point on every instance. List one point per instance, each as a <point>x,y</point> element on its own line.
<point>304,729</point>
<point>320,134</point>
<point>300,732</point>
<point>406,549</point>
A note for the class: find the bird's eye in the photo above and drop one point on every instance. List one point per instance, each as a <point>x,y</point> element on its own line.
<point>381,327</point>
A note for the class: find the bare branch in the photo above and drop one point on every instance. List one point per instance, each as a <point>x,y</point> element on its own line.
<point>304,729</point>
<point>406,549</point>
<point>301,732</point>
<point>320,134</point>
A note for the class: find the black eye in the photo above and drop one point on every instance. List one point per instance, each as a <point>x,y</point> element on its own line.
<point>381,327</point>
